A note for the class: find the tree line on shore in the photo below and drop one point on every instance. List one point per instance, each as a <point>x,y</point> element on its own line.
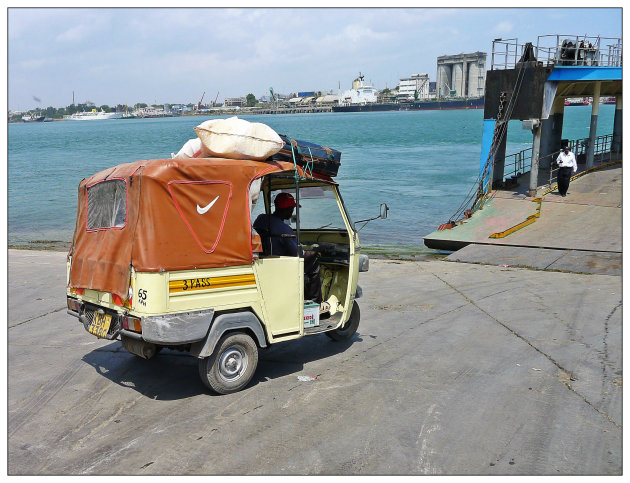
<point>60,112</point>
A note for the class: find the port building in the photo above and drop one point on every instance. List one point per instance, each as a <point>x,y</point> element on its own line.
<point>328,100</point>
<point>414,87</point>
<point>235,102</point>
<point>461,75</point>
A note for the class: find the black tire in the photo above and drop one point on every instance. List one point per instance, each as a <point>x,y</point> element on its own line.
<point>231,365</point>
<point>350,328</point>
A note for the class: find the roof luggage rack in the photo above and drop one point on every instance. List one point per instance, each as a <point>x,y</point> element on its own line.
<point>309,156</point>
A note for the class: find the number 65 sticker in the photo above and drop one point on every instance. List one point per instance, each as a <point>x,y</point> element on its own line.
<point>142,296</point>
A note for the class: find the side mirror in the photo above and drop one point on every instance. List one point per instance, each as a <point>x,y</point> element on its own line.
<point>382,215</point>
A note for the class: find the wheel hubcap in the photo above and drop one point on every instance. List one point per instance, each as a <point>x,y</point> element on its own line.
<point>232,364</point>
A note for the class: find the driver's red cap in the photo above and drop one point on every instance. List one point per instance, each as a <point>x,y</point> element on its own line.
<point>284,200</point>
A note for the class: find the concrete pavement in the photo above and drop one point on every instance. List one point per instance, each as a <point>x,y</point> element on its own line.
<point>456,369</point>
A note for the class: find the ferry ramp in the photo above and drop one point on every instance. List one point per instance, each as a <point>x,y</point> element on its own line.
<point>580,232</point>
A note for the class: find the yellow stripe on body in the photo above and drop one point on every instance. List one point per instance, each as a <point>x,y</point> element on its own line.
<point>209,283</point>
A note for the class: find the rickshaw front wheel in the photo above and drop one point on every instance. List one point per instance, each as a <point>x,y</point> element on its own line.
<point>231,365</point>
<point>350,328</point>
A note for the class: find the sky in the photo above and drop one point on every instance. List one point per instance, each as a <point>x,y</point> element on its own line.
<point>169,55</point>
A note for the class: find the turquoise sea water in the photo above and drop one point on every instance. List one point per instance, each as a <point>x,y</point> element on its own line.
<point>421,163</point>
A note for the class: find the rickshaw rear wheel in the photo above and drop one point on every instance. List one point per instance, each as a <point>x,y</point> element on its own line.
<point>350,328</point>
<point>232,364</point>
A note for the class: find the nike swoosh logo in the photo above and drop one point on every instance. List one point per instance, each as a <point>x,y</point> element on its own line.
<point>203,210</point>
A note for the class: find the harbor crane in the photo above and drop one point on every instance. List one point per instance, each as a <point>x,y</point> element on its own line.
<point>200,100</point>
<point>215,100</point>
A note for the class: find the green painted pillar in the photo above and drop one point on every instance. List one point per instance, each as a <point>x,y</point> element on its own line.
<point>551,133</point>
<point>498,166</point>
<point>617,127</point>
<point>590,152</point>
<point>533,175</point>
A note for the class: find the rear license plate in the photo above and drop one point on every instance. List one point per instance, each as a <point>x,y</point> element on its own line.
<point>100,325</point>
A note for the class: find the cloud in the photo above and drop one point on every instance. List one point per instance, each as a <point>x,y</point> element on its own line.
<point>360,33</point>
<point>503,27</point>
<point>73,34</point>
<point>33,64</point>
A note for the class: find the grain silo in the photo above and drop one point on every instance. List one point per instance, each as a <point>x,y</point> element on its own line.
<point>461,75</point>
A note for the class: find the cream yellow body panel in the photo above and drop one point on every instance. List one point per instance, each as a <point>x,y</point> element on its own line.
<point>281,293</point>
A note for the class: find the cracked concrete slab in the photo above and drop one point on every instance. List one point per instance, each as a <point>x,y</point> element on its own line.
<point>589,262</point>
<point>602,263</point>
<point>499,255</point>
<point>456,369</point>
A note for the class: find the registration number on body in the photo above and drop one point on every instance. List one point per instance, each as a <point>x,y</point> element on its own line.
<point>100,325</point>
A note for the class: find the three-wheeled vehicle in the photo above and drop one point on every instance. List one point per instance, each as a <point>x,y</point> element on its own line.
<point>164,255</point>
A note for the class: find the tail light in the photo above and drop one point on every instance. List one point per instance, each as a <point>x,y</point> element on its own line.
<point>117,299</point>
<point>78,291</point>
<point>130,322</point>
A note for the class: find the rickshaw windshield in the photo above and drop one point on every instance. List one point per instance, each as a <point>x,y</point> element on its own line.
<point>319,208</point>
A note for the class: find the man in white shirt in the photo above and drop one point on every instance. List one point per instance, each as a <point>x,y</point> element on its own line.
<point>567,167</point>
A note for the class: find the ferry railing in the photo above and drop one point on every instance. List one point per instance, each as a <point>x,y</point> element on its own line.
<point>521,162</point>
<point>560,49</point>
<point>602,153</point>
<point>505,54</point>
<point>517,163</point>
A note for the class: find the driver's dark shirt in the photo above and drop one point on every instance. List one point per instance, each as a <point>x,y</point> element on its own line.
<point>279,246</point>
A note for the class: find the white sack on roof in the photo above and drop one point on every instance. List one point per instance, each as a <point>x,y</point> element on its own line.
<point>236,138</point>
<point>192,149</point>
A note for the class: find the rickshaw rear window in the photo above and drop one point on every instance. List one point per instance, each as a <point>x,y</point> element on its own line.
<point>107,205</point>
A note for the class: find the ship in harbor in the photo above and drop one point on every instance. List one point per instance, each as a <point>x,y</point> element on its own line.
<point>33,118</point>
<point>361,94</point>
<point>93,115</point>
<point>419,105</point>
<point>577,101</point>
<point>459,85</point>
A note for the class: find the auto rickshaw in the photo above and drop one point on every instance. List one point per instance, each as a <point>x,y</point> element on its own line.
<point>164,256</point>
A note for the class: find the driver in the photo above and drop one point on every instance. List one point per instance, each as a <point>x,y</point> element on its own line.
<point>271,227</point>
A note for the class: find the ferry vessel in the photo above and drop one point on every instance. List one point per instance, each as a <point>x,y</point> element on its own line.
<point>535,89</point>
<point>93,115</point>
<point>32,118</point>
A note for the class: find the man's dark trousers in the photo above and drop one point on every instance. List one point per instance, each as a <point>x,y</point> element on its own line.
<point>564,178</point>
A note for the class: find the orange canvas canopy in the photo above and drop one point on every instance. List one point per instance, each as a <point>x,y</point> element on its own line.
<point>163,215</point>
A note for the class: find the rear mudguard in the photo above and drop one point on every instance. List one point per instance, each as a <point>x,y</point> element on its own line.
<point>224,323</point>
